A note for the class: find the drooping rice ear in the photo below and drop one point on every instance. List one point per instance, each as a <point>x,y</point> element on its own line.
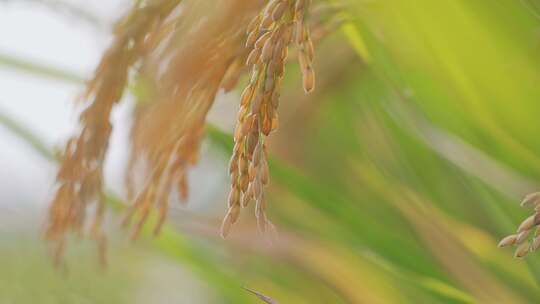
<point>269,36</point>
<point>522,250</point>
<point>525,228</point>
<point>81,168</point>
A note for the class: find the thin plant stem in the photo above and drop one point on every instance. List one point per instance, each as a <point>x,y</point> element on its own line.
<point>39,69</point>
<point>26,135</point>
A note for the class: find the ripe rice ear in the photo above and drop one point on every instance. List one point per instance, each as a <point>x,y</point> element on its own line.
<point>269,36</point>
<point>525,228</point>
<point>80,176</point>
<point>210,57</point>
<point>169,123</point>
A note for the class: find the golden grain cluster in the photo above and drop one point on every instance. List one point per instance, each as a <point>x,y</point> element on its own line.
<point>268,37</point>
<point>525,229</point>
<point>80,178</point>
<point>182,53</point>
<point>167,131</point>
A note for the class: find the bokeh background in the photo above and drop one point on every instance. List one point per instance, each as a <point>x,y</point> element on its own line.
<point>391,183</point>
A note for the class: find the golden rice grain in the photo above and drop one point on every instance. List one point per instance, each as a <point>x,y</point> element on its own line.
<point>527,224</point>
<point>508,241</point>
<point>522,250</point>
<point>522,236</point>
<point>185,66</point>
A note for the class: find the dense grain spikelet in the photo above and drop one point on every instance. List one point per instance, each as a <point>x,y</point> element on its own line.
<point>80,177</point>
<point>268,37</point>
<point>525,228</point>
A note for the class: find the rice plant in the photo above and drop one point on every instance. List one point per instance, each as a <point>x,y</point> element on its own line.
<point>286,151</point>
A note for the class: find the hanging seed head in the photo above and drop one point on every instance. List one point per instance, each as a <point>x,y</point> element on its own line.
<point>80,174</point>
<point>268,35</point>
<point>525,228</point>
<point>212,57</point>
